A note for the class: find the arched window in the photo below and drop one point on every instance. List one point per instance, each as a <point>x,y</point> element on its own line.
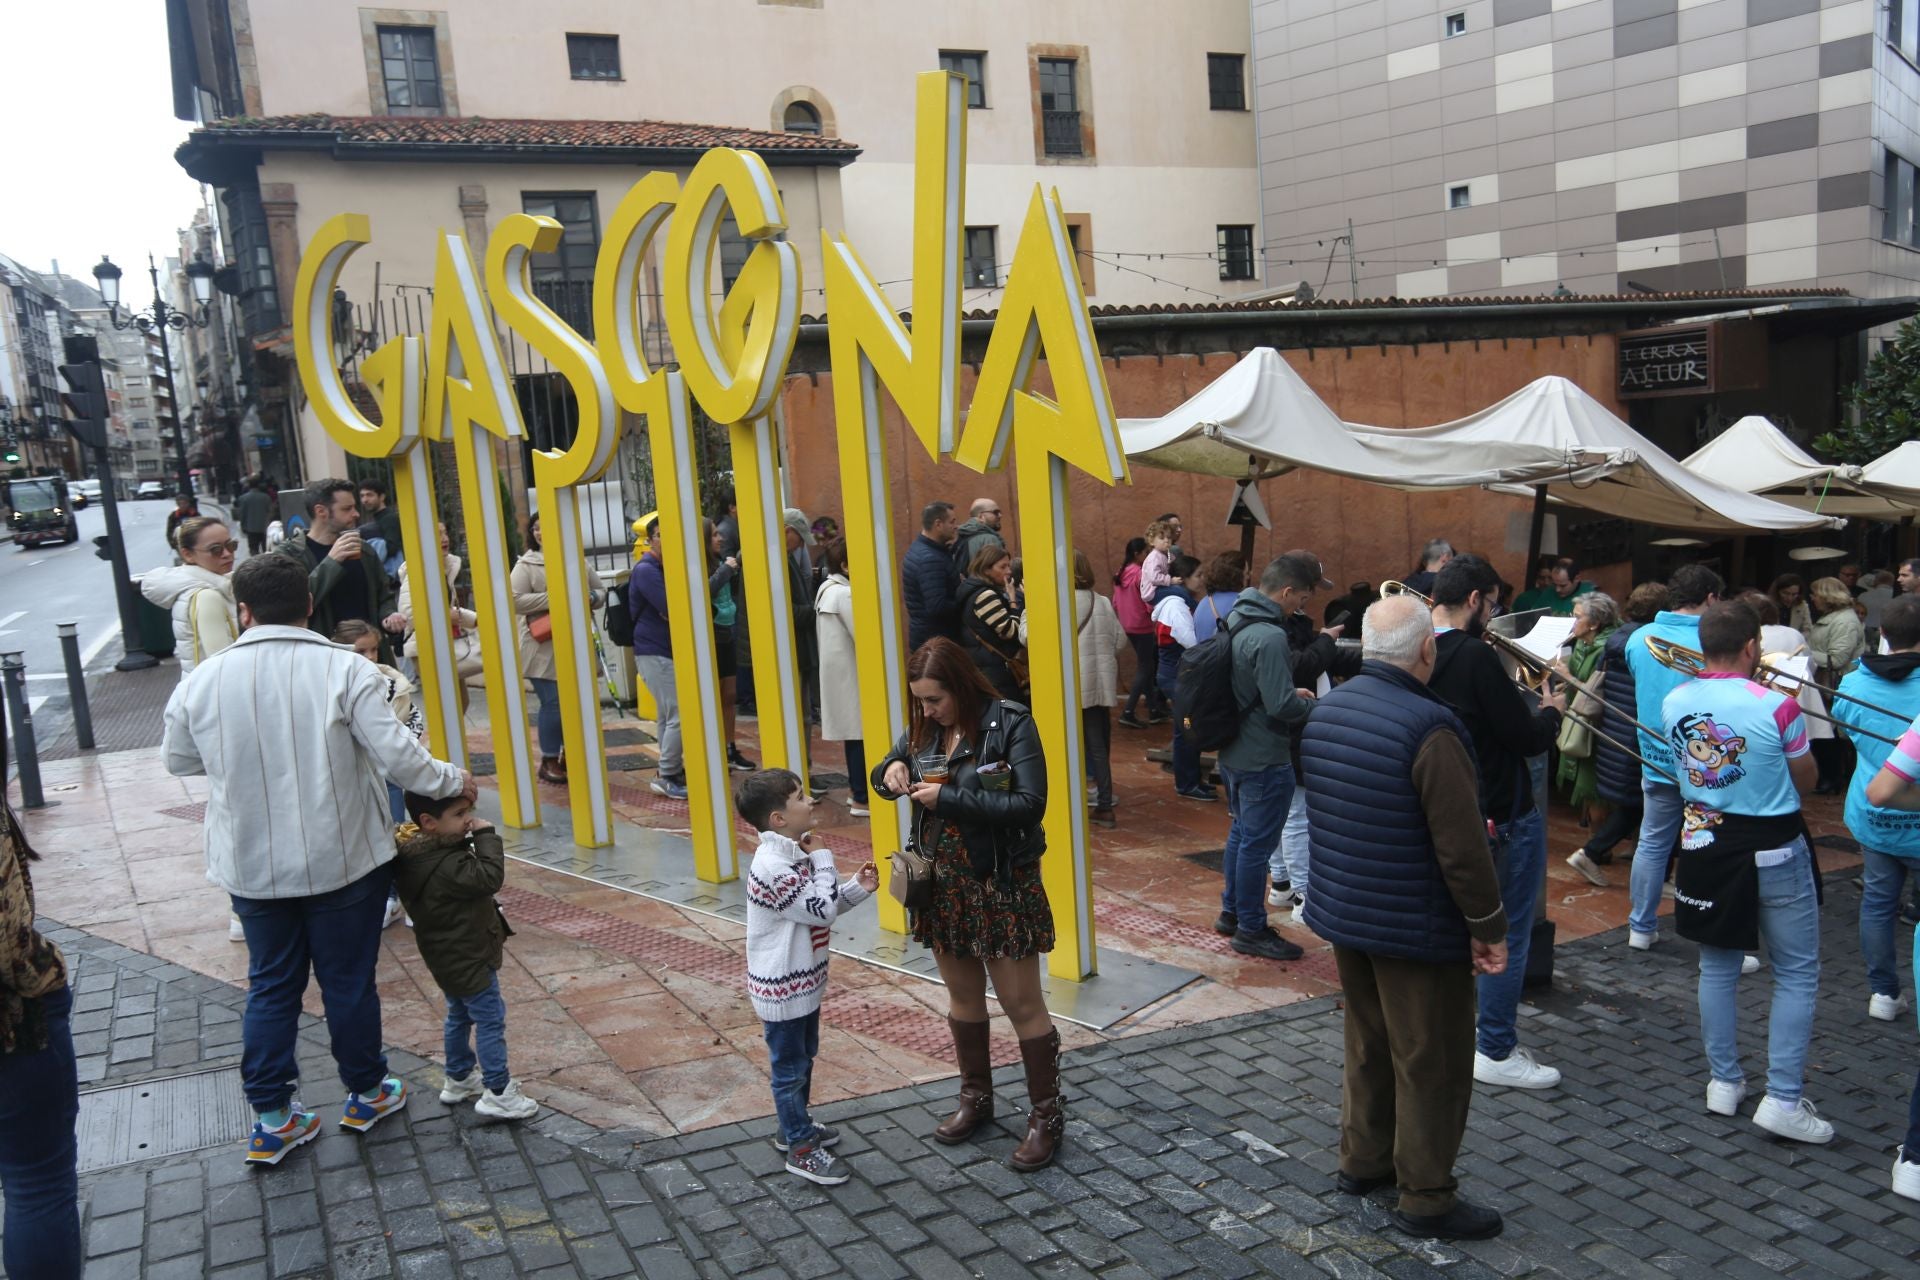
<point>801,117</point>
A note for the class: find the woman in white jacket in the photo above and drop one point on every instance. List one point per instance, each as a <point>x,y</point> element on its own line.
<point>840,672</point>
<point>198,592</point>
<point>1102,639</point>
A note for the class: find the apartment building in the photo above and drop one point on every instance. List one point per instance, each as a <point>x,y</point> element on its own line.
<point>1600,146</point>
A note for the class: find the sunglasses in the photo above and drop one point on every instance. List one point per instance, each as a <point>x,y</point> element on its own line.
<point>212,547</point>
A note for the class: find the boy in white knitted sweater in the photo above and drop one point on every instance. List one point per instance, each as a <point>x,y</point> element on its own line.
<point>794,894</point>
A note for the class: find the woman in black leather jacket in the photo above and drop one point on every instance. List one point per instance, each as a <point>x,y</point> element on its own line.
<point>989,916</point>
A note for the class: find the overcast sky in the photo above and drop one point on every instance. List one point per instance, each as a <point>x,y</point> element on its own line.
<point>87,166</point>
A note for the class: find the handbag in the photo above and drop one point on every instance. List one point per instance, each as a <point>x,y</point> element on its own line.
<point>910,879</point>
<point>1576,739</point>
<point>540,627</point>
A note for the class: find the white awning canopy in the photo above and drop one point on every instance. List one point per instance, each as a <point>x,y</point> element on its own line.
<point>1896,473</point>
<point>1755,456</point>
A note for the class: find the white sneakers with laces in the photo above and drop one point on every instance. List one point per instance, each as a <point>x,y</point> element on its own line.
<point>1517,1070</point>
<point>1906,1176</point>
<point>1639,941</point>
<point>457,1089</point>
<point>1886,1008</point>
<point>508,1104</point>
<point>1725,1096</point>
<point>1799,1122</point>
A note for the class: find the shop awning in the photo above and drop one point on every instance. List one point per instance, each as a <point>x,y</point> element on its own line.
<point>1896,473</point>
<point>1755,456</point>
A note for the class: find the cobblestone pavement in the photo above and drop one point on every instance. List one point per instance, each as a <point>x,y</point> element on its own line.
<point>1201,1151</point>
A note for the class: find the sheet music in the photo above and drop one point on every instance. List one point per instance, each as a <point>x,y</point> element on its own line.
<point>1800,667</point>
<point>1548,637</point>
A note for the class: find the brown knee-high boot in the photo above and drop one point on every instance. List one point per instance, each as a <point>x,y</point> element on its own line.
<point>973,1052</point>
<point>1046,1121</point>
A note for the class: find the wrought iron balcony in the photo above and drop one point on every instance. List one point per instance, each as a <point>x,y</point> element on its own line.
<point>1061,131</point>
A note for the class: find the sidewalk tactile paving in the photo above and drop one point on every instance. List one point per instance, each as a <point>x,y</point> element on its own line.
<point>195,812</point>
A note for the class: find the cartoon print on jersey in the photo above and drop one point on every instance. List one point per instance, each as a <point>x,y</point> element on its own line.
<point>1696,826</point>
<point>1709,751</point>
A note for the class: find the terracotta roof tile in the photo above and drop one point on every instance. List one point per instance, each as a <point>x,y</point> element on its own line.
<point>479,131</point>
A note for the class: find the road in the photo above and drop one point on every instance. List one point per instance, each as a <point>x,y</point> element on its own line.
<point>41,587</point>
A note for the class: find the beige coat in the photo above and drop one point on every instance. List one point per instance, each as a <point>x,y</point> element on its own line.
<point>466,645</point>
<point>529,584</point>
<point>1101,640</point>
<point>839,664</point>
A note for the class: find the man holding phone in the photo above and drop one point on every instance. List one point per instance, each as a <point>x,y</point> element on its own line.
<point>345,579</point>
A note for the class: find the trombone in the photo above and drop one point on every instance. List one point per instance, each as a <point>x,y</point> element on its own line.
<point>1689,662</point>
<point>1542,671</point>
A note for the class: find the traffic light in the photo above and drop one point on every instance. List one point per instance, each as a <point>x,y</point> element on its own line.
<point>10,450</point>
<point>86,395</point>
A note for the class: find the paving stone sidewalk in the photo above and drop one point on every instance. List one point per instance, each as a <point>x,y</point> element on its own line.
<point>1204,1151</point>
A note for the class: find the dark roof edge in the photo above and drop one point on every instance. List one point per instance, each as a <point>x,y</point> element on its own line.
<point>203,144</point>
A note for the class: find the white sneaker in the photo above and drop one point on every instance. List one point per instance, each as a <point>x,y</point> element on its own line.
<point>1277,899</point>
<point>508,1104</point>
<point>1799,1122</point>
<point>1886,1008</point>
<point>1749,964</point>
<point>1641,941</point>
<point>394,912</point>
<point>1906,1176</point>
<point>1724,1097</point>
<point>455,1089</point>
<point>236,932</point>
<point>1299,913</point>
<point>1666,890</point>
<point>1588,868</point>
<point>858,811</point>
<point>1517,1071</point>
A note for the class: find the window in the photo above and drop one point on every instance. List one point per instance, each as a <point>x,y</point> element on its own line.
<point>734,250</point>
<point>411,67</point>
<point>1059,107</point>
<point>593,57</point>
<point>974,67</point>
<point>1460,197</point>
<point>801,117</point>
<point>1227,81</point>
<point>1903,28</point>
<point>1456,25</point>
<point>563,279</point>
<point>1236,252</point>
<point>983,257</point>
<point>253,254</point>
<point>1901,216</point>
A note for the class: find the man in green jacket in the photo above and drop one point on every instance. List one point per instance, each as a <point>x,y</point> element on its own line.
<point>346,582</point>
<point>1257,766</point>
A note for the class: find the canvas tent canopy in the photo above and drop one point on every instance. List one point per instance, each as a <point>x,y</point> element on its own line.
<point>1896,473</point>
<point>1755,456</point>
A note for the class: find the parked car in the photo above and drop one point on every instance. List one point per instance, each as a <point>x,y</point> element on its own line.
<point>84,491</point>
<point>150,489</point>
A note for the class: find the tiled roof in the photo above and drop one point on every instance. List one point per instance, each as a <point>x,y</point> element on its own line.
<point>465,132</point>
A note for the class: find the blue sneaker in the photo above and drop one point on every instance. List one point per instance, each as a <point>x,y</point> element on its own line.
<point>363,1111</point>
<point>270,1146</point>
<point>668,787</point>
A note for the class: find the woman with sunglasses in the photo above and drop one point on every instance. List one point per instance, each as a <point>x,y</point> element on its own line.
<point>198,592</point>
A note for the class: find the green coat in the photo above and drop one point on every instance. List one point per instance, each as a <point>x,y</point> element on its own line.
<point>332,576</point>
<point>1262,685</point>
<point>447,885</point>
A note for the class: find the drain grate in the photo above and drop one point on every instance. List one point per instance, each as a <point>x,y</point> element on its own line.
<point>196,812</point>
<point>133,1122</point>
<point>1211,859</point>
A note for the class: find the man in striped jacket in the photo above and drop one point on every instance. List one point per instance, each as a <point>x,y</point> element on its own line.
<point>297,743</point>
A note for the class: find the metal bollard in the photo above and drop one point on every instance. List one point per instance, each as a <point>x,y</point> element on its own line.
<point>13,674</point>
<point>77,685</point>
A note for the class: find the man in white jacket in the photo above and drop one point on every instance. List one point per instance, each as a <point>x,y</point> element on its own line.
<point>296,740</point>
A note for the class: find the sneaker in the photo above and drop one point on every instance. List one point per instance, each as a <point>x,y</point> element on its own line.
<point>1517,1070</point>
<point>858,811</point>
<point>823,1136</point>
<point>363,1111</point>
<point>1131,721</point>
<point>236,932</point>
<point>508,1104</point>
<point>1886,1008</point>
<point>1226,923</point>
<point>1641,941</point>
<point>1267,945</point>
<point>394,912</point>
<point>1749,964</point>
<point>456,1089</point>
<point>1725,1096</point>
<point>1199,791</point>
<point>1159,717</point>
<point>1277,898</point>
<point>1587,868</point>
<point>1799,1122</point>
<point>816,1164</point>
<point>1299,913</point>
<point>737,762</point>
<point>1462,1222</point>
<point>1906,1175</point>
<point>669,788</point>
<point>1103,816</point>
<point>270,1146</point>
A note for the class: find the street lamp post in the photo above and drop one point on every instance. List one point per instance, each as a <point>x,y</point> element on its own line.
<point>158,319</point>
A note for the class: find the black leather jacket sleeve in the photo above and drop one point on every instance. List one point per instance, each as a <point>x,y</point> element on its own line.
<point>1015,740</point>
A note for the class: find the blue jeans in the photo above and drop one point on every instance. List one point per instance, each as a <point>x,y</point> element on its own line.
<point>480,1018</point>
<point>335,937</point>
<point>1659,831</point>
<point>547,720</point>
<point>1882,878</point>
<point>1289,860</point>
<point>1790,926</point>
<point>1522,870</point>
<point>39,1102</point>
<point>792,1045</point>
<point>1186,756</point>
<point>1257,801</point>
<point>396,803</point>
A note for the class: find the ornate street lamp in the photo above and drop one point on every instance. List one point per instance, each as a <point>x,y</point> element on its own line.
<point>157,319</point>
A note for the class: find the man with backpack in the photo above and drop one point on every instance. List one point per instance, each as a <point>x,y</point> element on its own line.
<point>1238,696</point>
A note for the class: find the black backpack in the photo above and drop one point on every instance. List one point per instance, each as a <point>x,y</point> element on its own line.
<point>1203,702</point>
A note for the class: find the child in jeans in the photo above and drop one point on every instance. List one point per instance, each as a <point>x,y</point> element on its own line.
<point>449,868</point>
<point>793,896</point>
<point>360,636</point>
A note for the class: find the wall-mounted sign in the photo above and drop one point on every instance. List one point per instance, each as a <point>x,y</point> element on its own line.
<point>1691,360</point>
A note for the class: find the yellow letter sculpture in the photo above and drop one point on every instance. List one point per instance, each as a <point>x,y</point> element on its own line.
<point>555,473</point>
<point>395,372</point>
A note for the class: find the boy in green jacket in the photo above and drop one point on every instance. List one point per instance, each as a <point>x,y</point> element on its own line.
<point>450,866</point>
